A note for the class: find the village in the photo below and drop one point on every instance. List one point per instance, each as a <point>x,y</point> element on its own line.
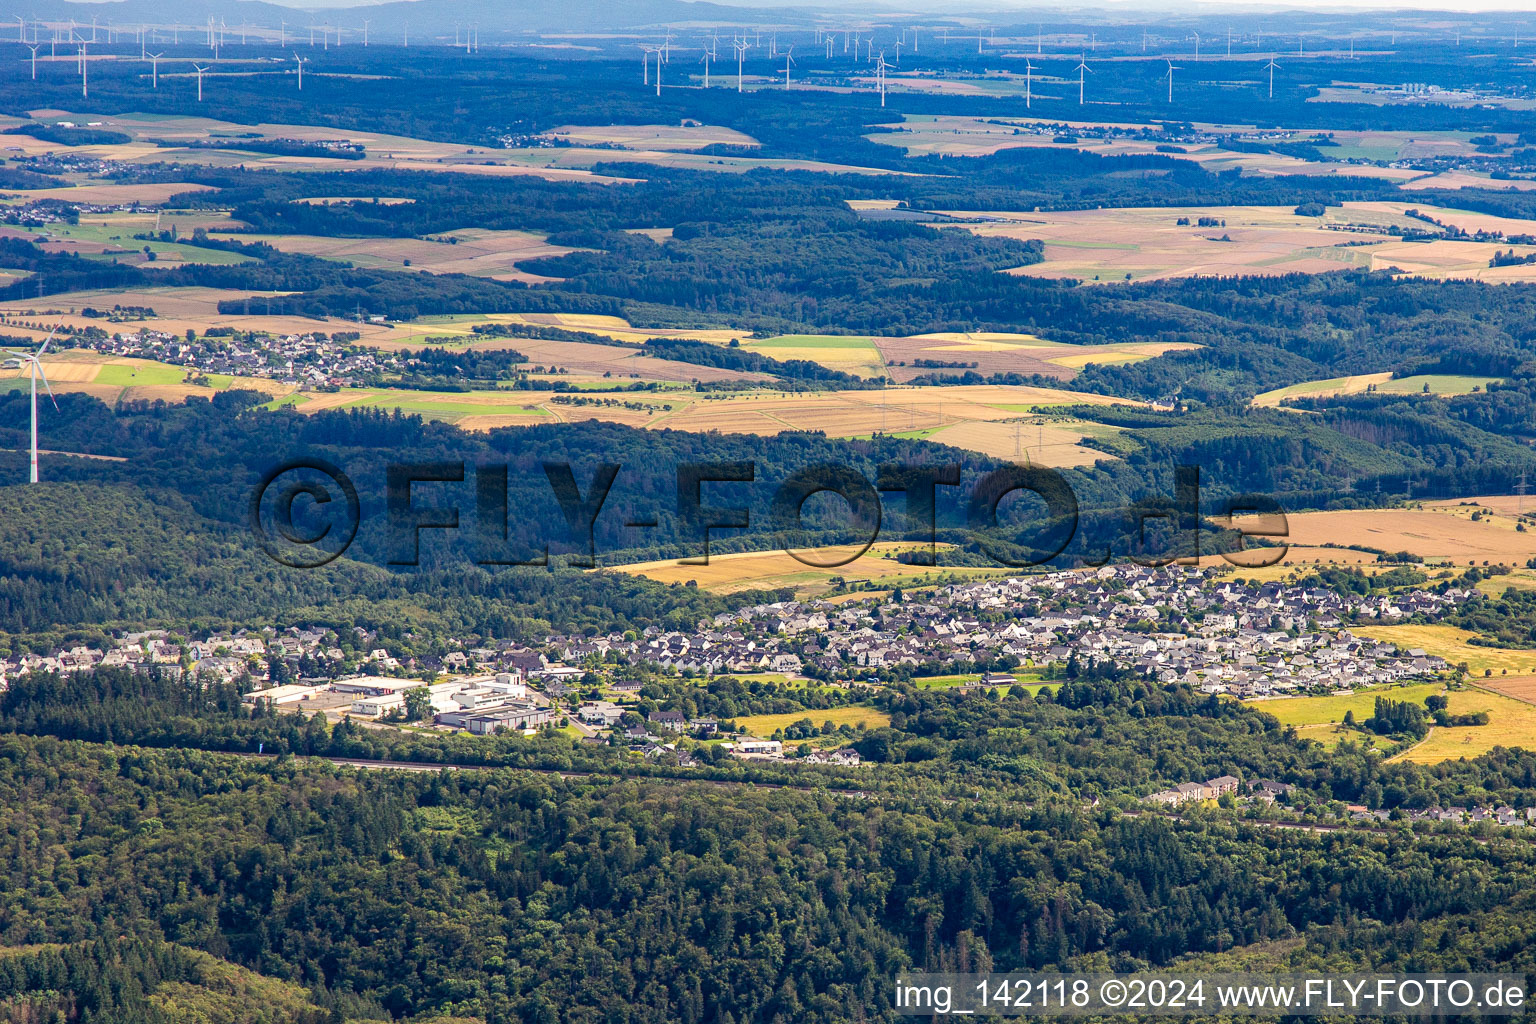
<point>315,361</point>
<point>1171,625</point>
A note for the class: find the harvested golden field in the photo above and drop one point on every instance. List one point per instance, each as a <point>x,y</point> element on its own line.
<point>1151,243</point>
<point>1453,645</point>
<point>476,251</point>
<point>652,136</point>
<point>765,725</point>
<point>1442,532</point>
<point>1521,688</point>
<point>728,574</point>
<point>1038,442</point>
<point>1006,353</point>
<point>908,412</point>
<point>1426,384</point>
<point>108,194</point>
<point>460,328</point>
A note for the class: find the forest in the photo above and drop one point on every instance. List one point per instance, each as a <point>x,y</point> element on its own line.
<point>790,903</point>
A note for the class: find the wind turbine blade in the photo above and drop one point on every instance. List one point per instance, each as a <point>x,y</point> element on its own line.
<point>46,340</point>
<point>43,374</point>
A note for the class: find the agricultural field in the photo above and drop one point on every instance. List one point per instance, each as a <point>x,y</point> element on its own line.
<point>1453,645</point>
<point>471,410</point>
<point>1320,718</point>
<point>1005,421</point>
<point>111,237</point>
<point>766,725</point>
<point>960,135</point>
<point>1512,723</point>
<point>1136,244</point>
<point>652,136</point>
<point>1008,353</point>
<point>728,574</point>
<point>395,152</point>
<point>985,353</point>
<point>475,251</point>
<point>1431,384</point>
<point>1017,426</point>
<point>1442,532</point>
<point>848,353</point>
<point>458,329</point>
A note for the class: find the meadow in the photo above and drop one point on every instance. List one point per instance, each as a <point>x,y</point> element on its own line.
<point>1512,723</point>
<point>1320,718</point>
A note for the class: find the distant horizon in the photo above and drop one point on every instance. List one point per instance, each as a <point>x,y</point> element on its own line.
<point>982,7</point>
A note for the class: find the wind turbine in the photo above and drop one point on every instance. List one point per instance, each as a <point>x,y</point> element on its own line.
<point>741,52</point>
<point>200,69</point>
<point>154,69</point>
<point>366,22</point>
<point>1270,67</point>
<point>1171,70</point>
<point>300,61</point>
<point>1197,46</point>
<point>1082,66</point>
<point>789,60</point>
<point>705,61</point>
<point>35,366</point>
<point>1029,82</point>
<point>880,76</point>
<point>34,50</point>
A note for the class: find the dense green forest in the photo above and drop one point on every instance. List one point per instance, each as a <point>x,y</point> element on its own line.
<point>769,904</point>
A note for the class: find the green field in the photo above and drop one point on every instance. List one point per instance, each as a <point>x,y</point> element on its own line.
<point>1439,384</point>
<point>122,238</point>
<point>441,406</point>
<point>1030,682</point>
<point>141,375</point>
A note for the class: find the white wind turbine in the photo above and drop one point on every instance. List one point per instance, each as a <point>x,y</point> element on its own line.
<point>1171,70</point>
<point>154,69</point>
<point>35,366</point>
<point>1270,67</point>
<point>789,60</point>
<point>199,69</point>
<point>1029,82</point>
<point>300,62</point>
<point>1082,66</point>
<point>34,50</point>
<point>880,70</point>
